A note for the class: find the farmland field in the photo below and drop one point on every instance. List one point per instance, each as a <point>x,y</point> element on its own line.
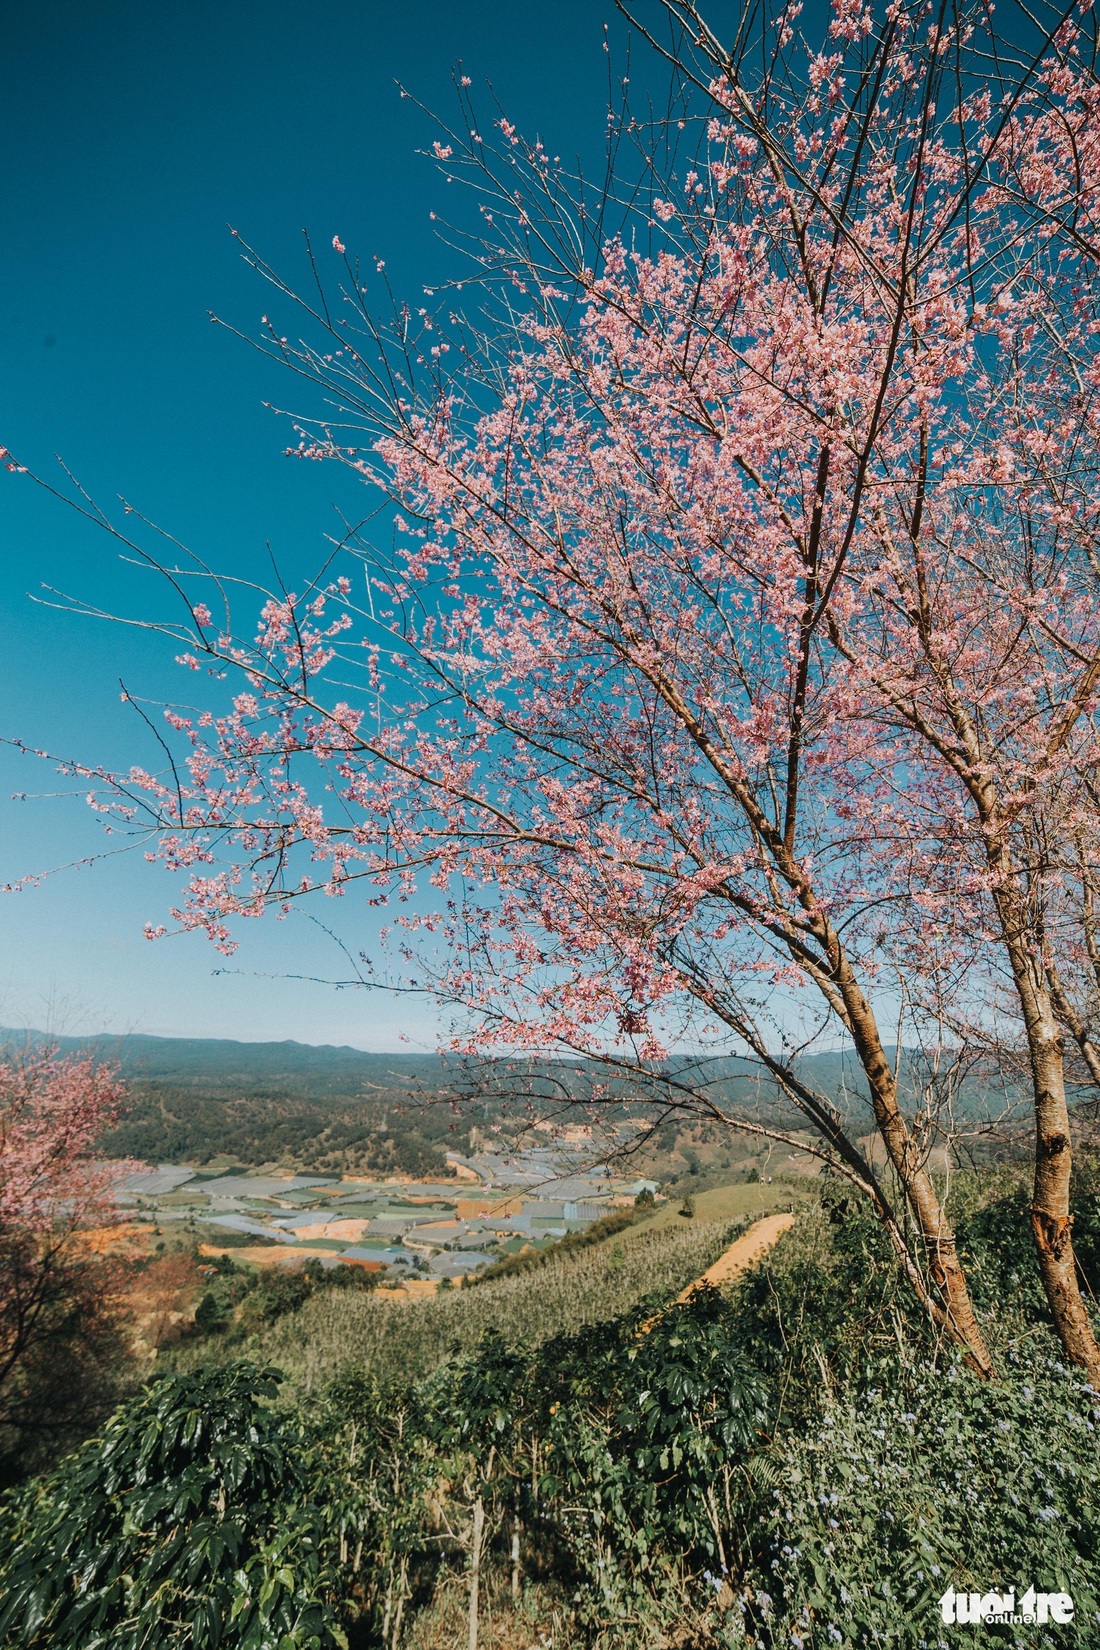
<point>396,1338</point>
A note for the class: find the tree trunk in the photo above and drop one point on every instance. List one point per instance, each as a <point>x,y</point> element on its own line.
<point>936,1232</point>
<point>1051,1220</point>
<point>475,1566</point>
<point>402,1595</point>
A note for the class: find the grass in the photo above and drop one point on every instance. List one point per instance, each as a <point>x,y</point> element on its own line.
<point>745,1202</point>
<point>541,1617</point>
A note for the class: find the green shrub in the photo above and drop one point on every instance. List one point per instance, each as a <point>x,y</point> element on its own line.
<point>828,1293</point>
<point>998,1247</point>
<point>644,1424</point>
<point>188,1522</point>
<point>856,1527</point>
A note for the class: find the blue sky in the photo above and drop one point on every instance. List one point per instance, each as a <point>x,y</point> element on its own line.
<point>133,135</point>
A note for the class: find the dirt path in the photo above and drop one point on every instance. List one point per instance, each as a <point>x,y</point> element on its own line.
<point>741,1254</point>
<point>744,1252</point>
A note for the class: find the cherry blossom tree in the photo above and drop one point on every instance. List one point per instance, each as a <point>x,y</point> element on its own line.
<point>977,634</point>
<point>976,562</point>
<point>56,1304</point>
<point>665,685</point>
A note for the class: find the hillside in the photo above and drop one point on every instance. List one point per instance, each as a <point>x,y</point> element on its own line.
<point>340,1110</point>
<point>624,1470</point>
<point>329,1109</point>
<point>393,1338</point>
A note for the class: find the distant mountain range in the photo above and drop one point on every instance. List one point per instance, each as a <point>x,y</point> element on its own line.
<point>228,1068</point>
<point>340,1110</point>
<point>223,1068</point>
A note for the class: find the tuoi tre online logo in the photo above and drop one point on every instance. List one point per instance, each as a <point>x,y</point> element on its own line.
<point>1001,1607</point>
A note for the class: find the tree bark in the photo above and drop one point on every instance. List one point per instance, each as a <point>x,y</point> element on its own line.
<point>477,1529</point>
<point>1051,1220</point>
<point>923,1199</point>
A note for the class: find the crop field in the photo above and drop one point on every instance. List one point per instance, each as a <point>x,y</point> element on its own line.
<point>398,1338</point>
<point>744,1202</point>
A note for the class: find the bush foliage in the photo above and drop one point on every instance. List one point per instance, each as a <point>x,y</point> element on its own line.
<point>189,1522</point>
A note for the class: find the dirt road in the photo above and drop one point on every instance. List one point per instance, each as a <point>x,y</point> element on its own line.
<point>744,1252</point>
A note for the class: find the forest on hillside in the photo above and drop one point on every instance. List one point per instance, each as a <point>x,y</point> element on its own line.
<point>342,1111</point>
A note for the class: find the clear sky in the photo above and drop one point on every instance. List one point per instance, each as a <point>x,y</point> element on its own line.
<point>133,133</point>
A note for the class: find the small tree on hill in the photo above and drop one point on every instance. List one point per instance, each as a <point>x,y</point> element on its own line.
<point>58,1302</point>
